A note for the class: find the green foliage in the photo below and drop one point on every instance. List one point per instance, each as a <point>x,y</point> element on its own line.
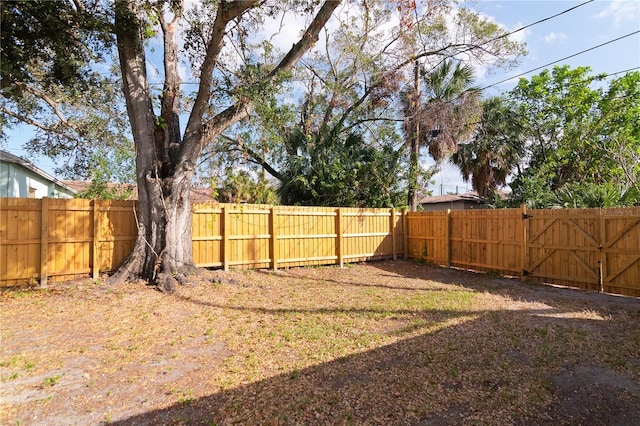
<point>241,186</point>
<point>578,194</point>
<point>583,145</point>
<point>50,57</point>
<point>49,43</point>
<point>445,110</point>
<point>112,175</point>
<point>329,169</point>
<point>495,150</point>
<point>445,117</point>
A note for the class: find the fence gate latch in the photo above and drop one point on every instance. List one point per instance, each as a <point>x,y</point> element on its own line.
<point>526,216</point>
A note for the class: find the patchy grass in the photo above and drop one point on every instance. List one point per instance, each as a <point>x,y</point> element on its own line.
<point>381,343</point>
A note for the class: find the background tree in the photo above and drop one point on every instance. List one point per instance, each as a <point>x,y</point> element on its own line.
<point>352,83</point>
<point>342,90</point>
<point>579,138</point>
<point>448,114</point>
<point>618,134</point>
<point>339,170</point>
<point>112,175</point>
<point>495,150</point>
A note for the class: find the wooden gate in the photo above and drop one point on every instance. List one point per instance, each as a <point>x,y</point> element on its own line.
<point>591,249</point>
<point>621,251</point>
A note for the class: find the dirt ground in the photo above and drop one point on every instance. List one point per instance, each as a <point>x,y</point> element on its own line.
<point>394,343</point>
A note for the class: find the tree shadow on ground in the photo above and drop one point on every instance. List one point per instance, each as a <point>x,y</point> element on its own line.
<point>529,368</point>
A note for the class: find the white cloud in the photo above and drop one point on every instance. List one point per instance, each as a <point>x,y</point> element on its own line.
<point>554,36</point>
<point>621,11</point>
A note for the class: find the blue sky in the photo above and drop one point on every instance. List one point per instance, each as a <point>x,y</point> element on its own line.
<point>587,26</point>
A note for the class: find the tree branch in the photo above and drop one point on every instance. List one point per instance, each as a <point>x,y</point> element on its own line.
<point>256,158</point>
<point>242,108</point>
<point>374,119</point>
<point>171,90</point>
<point>48,129</point>
<point>227,11</point>
<point>48,100</point>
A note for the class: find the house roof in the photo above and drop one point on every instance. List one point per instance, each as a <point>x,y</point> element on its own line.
<point>7,157</point>
<point>81,186</point>
<point>471,196</point>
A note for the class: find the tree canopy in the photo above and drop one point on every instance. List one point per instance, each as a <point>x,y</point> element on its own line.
<point>582,143</point>
<point>353,83</point>
<point>55,76</point>
<point>495,150</point>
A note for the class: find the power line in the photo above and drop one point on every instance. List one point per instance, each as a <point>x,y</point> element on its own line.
<point>611,74</point>
<point>513,32</point>
<point>560,60</point>
<point>543,20</point>
<point>529,25</point>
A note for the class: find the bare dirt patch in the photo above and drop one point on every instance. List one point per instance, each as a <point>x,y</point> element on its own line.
<point>379,343</point>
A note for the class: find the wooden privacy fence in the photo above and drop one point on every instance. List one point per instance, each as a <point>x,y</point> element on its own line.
<point>595,249</point>
<point>60,239</point>
<point>230,235</point>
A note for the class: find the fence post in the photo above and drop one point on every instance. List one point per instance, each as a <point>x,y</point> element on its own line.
<point>447,227</point>
<point>392,227</point>
<point>339,247</point>
<point>405,234</point>
<point>226,225</point>
<point>273,243</point>
<point>44,241</point>
<point>523,244</point>
<point>602,261</point>
<point>96,239</point>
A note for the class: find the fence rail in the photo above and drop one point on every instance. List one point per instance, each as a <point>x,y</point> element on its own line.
<point>597,249</point>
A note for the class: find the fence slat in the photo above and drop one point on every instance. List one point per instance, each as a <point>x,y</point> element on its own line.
<point>44,242</point>
<point>273,242</point>
<point>226,244</point>
<point>447,231</point>
<point>524,236</point>
<point>95,252</point>
<point>339,239</point>
<point>392,229</point>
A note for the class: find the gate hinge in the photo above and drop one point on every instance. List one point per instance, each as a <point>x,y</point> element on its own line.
<point>526,216</point>
<point>525,273</point>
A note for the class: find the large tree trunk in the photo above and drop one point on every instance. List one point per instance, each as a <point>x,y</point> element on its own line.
<point>163,252</point>
<point>165,160</point>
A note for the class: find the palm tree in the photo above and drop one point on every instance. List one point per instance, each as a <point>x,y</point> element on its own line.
<point>495,150</point>
<point>448,115</point>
